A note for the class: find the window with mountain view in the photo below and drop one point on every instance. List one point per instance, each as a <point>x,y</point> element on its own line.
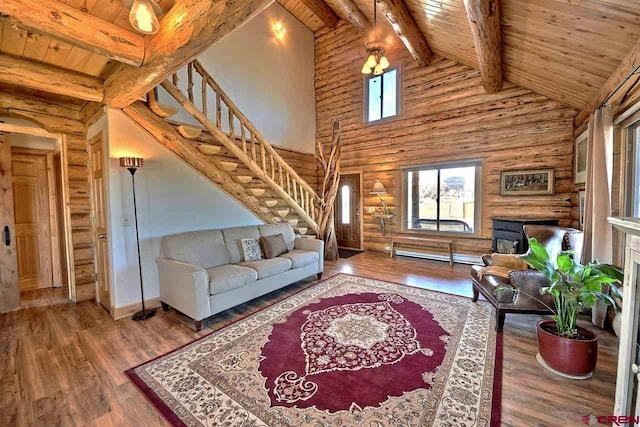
<point>443,198</point>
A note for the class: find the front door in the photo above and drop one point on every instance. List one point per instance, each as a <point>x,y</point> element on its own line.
<point>9,288</point>
<point>99,206</point>
<point>348,212</point>
<point>32,218</point>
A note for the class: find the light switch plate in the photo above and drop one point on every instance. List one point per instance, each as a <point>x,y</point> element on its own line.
<point>126,221</point>
<point>371,210</point>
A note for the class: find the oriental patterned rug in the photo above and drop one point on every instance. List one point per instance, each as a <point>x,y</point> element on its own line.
<point>348,351</point>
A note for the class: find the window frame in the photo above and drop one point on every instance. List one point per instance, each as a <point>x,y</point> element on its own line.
<point>477,214</point>
<point>365,97</point>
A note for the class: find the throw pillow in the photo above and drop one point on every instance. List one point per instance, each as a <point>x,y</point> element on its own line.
<point>272,246</point>
<point>251,249</point>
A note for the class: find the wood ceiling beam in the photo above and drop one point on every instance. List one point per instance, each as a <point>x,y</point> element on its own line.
<point>71,25</point>
<point>626,66</point>
<point>187,29</point>
<point>354,15</point>
<point>322,11</point>
<point>12,100</point>
<point>484,19</point>
<point>407,30</point>
<point>28,74</point>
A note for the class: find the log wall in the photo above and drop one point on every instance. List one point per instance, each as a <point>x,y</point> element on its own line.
<point>446,116</point>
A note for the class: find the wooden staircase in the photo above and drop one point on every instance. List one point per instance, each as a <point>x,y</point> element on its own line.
<point>228,150</point>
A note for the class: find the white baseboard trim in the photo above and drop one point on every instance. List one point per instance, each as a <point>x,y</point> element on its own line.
<point>457,258</point>
<point>131,309</point>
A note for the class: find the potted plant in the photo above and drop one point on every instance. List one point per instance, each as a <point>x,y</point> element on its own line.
<point>562,345</point>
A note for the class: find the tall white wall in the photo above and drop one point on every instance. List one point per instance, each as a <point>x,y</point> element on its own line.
<point>270,80</point>
<point>171,198</point>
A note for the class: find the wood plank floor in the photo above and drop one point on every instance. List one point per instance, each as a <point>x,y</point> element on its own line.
<point>63,365</point>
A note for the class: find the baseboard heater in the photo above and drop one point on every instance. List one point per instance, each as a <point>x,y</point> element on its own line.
<point>457,258</point>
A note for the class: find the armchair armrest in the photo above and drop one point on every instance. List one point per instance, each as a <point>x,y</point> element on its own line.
<point>185,287</point>
<point>314,245</point>
<point>529,283</point>
<point>486,259</point>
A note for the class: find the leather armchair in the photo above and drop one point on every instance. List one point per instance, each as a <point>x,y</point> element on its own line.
<point>518,289</point>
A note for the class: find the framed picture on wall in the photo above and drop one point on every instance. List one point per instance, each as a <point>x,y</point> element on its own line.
<point>582,196</point>
<point>527,182</point>
<point>580,161</point>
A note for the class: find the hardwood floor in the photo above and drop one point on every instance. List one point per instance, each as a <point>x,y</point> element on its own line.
<point>63,365</point>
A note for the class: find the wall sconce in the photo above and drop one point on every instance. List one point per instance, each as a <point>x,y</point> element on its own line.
<point>144,16</point>
<point>379,189</point>
<point>279,30</point>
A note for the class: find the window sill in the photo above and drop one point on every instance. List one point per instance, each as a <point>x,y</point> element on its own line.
<point>432,233</point>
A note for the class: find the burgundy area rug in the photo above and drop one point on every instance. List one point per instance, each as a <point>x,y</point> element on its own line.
<point>347,351</point>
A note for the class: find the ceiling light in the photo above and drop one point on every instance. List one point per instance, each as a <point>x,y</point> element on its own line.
<point>279,30</point>
<point>144,16</point>
<point>376,62</point>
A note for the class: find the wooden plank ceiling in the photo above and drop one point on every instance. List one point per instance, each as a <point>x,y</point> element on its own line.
<point>563,49</point>
<point>40,48</point>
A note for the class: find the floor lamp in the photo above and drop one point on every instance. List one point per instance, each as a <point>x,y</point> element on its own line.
<point>133,164</point>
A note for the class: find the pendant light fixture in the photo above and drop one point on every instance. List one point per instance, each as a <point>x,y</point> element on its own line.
<point>376,62</point>
<point>144,16</point>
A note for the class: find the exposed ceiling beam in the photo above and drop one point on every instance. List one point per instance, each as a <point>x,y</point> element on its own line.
<point>484,19</point>
<point>26,130</point>
<point>322,11</point>
<point>186,30</point>
<point>626,66</point>
<point>24,73</point>
<point>407,30</point>
<point>354,15</point>
<point>9,99</point>
<point>73,26</point>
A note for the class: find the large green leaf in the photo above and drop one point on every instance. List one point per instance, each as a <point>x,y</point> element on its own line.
<point>565,263</point>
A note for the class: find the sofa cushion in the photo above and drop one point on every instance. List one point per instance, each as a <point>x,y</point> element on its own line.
<point>233,239</point>
<point>228,277</point>
<point>283,228</point>
<point>269,267</point>
<point>205,248</point>
<point>300,258</point>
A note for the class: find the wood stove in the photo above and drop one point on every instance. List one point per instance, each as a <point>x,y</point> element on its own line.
<point>508,234</point>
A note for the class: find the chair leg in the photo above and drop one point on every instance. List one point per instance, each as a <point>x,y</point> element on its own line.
<point>319,275</point>
<point>476,293</point>
<point>198,325</point>
<point>499,320</point>
<point>165,306</point>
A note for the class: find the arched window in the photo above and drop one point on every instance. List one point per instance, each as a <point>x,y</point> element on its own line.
<point>345,207</point>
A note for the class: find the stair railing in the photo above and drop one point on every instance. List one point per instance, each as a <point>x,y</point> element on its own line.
<point>243,140</point>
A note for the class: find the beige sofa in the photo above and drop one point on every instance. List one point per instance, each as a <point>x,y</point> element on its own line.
<point>203,273</point>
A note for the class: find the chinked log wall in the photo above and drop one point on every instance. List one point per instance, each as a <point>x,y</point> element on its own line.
<point>446,116</point>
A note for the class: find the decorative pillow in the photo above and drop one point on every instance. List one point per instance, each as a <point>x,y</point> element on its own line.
<point>251,249</point>
<point>272,246</point>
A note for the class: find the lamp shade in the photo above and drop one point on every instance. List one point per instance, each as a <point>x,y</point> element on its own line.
<point>131,162</point>
<point>143,16</point>
<point>378,188</point>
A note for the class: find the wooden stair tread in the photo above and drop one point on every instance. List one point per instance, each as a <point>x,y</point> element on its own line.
<point>160,110</point>
<point>189,132</point>
<point>209,150</point>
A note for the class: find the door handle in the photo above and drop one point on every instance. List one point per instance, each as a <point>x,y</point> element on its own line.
<point>102,236</point>
<point>7,235</point>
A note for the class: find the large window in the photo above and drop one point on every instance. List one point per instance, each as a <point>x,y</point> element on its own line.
<point>382,97</point>
<point>443,198</point>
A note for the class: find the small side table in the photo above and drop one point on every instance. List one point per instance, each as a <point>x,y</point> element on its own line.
<point>381,219</point>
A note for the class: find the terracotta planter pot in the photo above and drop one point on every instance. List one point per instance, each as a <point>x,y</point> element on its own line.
<point>568,356</point>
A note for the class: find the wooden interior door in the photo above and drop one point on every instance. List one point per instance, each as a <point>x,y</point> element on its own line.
<point>9,286</point>
<point>348,212</point>
<point>99,205</point>
<point>32,218</point>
